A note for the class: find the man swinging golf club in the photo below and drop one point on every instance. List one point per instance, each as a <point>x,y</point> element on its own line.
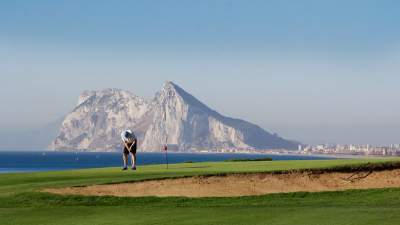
<point>129,143</point>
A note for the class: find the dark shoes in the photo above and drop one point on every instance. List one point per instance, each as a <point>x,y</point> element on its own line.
<point>133,168</point>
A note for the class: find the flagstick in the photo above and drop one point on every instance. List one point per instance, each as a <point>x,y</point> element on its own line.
<point>166,156</point>
<point>166,150</point>
<point>166,136</point>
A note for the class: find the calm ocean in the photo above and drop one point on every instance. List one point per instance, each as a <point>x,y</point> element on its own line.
<point>17,161</point>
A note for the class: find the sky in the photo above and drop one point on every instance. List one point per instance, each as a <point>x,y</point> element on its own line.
<point>313,71</point>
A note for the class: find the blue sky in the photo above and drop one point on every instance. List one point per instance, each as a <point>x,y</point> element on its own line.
<point>315,71</point>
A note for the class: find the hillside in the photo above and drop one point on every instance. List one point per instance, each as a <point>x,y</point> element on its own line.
<point>173,116</point>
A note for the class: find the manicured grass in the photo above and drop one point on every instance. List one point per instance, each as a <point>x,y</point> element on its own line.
<point>248,160</point>
<point>20,203</point>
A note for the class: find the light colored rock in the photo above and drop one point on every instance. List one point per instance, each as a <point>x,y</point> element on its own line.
<point>173,116</point>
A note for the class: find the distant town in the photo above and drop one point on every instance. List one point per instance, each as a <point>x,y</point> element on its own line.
<point>326,149</point>
<point>351,149</point>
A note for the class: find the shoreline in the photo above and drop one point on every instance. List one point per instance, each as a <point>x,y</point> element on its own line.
<point>36,161</point>
<point>333,156</point>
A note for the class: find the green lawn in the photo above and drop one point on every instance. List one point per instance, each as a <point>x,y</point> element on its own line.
<point>21,203</point>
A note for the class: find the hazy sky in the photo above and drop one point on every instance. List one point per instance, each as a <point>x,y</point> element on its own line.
<point>314,71</point>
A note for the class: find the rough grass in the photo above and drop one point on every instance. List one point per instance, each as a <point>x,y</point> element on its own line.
<point>20,203</point>
<point>15,183</point>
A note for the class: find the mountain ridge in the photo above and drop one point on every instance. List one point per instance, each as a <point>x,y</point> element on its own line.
<point>173,116</point>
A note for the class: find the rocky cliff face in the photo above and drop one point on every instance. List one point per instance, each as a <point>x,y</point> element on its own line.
<point>173,116</point>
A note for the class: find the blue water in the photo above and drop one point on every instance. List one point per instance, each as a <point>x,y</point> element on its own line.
<point>11,162</point>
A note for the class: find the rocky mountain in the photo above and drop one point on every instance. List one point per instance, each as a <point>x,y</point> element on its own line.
<point>173,116</point>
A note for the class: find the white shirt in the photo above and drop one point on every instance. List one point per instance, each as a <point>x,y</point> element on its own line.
<point>130,134</point>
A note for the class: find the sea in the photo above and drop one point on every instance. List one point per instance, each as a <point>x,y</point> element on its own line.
<point>35,161</point>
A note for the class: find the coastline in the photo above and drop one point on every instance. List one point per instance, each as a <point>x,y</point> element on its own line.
<point>286,153</point>
<point>33,161</point>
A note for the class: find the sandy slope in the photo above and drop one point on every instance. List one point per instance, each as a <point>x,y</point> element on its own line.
<point>243,185</point>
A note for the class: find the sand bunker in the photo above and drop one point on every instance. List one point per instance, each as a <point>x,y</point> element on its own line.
<point>243,185</point>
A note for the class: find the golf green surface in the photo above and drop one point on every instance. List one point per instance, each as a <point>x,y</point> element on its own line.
<point>22,203</point>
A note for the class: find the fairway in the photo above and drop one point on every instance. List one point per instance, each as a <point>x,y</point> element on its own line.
<point>22,202</point>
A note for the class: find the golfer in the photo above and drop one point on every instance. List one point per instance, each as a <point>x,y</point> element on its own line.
<point>129,144</point>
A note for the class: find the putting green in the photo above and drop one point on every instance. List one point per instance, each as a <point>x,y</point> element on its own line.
<point>21,203</point>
